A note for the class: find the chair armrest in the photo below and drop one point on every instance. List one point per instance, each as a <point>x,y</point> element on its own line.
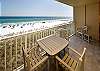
<point>64,63</point>
<point>44,59</point>
<point>74,51</point>
<point>81,58</point>
<point>81,55</point>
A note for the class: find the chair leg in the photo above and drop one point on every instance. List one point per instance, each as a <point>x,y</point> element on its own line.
<point>56,65</point>
<point>48,65</point>
<point>88,39</point>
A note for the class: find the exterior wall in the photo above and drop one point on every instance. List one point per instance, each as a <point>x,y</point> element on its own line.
<point>79,16</point>
<point>99,21</point>
<point>92,18</point>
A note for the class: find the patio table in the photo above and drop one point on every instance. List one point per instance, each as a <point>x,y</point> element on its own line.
<point>52,45</point>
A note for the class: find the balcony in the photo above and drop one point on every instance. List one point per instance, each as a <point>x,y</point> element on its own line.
<point>11,46</point>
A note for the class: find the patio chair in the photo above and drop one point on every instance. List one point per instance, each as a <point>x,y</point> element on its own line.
<point>83,33</point>
<point>63,33</point>
<point>33,59</point>
<point>71,64</point>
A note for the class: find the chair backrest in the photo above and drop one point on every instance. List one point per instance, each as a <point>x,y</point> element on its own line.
<point>33,59</point>
<point>84,29</point>
<point>63,33</point>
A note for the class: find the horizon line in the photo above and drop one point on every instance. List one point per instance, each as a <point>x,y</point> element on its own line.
<point>35,16</point>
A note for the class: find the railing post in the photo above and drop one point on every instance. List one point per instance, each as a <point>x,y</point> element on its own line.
<point>36,36</point>
<point>25,41</point>
<point>16,51</point>
<point>11,52</point>
<point>33,40</point>
<point>52,31</point>
<point>45,32</point>
<point>21,44</point>
<point>5,55</point>
<point>55,31</point>
<point>49,31</point>
<point>41,33</point>
<point>29,40</point>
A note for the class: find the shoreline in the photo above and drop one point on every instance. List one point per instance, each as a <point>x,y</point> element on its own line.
<point>25,27</point>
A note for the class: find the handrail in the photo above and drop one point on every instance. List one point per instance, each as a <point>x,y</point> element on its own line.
<point>62,29</point>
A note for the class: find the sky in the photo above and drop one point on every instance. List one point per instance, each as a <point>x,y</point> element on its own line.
<point>34,8</point>
<point>0,8</point>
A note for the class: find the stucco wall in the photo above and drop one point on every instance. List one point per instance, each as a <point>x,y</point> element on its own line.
<point>79,16</point>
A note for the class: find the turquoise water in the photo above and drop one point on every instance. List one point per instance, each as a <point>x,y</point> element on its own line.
<point>17,24</point>
<point>7,19</point>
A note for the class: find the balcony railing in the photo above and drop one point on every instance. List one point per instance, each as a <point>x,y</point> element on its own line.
<point>11,47</point>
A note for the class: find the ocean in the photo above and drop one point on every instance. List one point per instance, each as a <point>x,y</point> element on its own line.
<point>14,19</point>
<point>16,24</point>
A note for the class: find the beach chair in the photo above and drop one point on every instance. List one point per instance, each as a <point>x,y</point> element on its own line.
<point>33,60</point>
<point>72,64</point>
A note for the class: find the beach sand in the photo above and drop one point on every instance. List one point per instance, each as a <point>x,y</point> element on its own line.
<point>10,30</point>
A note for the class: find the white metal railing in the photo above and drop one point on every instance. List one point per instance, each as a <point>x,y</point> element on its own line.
<point>11,47</point>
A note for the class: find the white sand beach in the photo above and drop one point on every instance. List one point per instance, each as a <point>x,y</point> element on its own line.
<point>23,27</point>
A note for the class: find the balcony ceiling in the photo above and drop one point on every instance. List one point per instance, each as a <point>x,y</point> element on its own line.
<point>78,2</point>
